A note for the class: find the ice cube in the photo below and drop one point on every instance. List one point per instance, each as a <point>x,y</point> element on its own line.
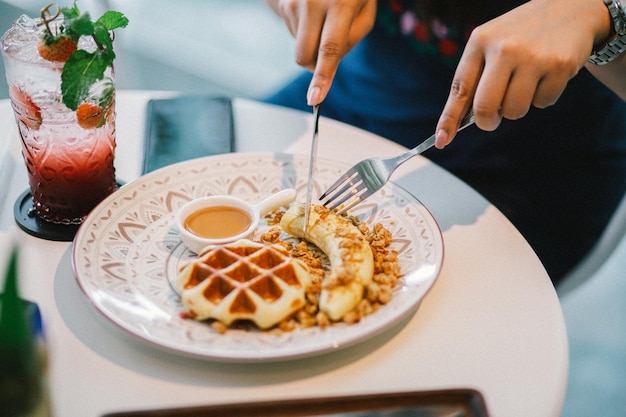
<point>20,41</point>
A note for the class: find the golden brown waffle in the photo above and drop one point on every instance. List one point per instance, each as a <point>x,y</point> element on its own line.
<point>244,280</point>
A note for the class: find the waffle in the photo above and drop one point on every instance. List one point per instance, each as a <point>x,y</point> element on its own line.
<point>244,280</point>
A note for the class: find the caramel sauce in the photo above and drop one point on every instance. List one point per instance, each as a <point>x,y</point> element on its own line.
<point>218,222</point>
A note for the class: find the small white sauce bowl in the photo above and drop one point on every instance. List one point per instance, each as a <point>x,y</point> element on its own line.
<point>196,243</point>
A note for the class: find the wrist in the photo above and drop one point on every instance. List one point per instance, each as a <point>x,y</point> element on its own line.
<point>606,27</point>
<point>615,43</point>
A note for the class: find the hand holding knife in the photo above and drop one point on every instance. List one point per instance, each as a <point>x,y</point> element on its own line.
<point>312,159</point>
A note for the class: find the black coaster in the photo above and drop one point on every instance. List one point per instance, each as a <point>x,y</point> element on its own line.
<point>27,219</point>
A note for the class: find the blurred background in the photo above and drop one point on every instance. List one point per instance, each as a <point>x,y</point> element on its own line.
<point>240,48</point>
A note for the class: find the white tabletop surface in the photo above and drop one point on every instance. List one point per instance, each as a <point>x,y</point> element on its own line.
<point>492,321</point>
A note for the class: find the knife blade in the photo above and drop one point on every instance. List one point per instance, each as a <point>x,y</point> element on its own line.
<point>312,159</point>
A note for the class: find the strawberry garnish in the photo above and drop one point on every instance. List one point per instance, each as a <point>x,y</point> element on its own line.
<point>25,108</point>
<point>81,68</point>
<point>90,116</point>
<point>56,48</point>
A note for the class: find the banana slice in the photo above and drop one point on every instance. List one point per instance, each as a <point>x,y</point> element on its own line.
<point>349,253</point>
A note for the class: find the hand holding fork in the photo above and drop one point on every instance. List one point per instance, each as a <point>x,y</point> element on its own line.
<point>369,175</point>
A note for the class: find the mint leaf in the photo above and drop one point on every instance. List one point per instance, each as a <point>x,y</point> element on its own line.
<point>83,69</point>
<point>70,12</point>
<point>106,94</point>
<point>102,37</point>
<point>80,72</point>
<point>113,20</point>
<point>80,26</point>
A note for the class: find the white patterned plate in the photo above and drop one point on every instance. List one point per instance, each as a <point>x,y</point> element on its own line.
<point>127,252</point>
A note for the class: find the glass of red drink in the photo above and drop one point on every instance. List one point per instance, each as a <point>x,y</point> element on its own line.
<point>68,152</point>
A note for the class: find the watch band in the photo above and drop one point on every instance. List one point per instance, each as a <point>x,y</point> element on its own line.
<point>617,44</point>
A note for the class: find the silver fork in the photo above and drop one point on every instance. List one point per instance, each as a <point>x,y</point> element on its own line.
<point>369,175</point>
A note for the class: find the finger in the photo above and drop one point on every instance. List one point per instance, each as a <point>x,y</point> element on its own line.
<point>363,23</point>
<point>288,12</point>
<point>461,95</point>
<point>333,46</point>
<point>550,88</point>
<point>292,25</point>
<point>519,94</point>
<point>308,35</point>
<point>491,90</point>
<point>537,88</point>
<point>548,92</point>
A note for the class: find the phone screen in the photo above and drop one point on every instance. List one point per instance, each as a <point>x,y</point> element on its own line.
<point>187,127</point>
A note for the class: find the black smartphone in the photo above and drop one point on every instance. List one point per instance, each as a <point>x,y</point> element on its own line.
<point>187,127</point>
<point>443,403</point>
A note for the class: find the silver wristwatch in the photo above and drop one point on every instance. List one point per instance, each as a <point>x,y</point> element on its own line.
<point>617,44</point>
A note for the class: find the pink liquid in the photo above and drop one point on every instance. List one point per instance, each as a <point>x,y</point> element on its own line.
<point>70,169</point>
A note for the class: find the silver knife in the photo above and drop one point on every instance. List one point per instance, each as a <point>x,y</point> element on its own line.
<point>312,159</point>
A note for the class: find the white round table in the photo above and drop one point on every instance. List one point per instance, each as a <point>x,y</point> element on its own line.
<point>492,322</point>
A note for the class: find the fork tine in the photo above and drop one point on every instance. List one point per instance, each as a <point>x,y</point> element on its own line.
<point>348,199</point>
<point>349,174</point>
<point>340,199</point>
<point>354,201</point>
<point>338,192</point>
